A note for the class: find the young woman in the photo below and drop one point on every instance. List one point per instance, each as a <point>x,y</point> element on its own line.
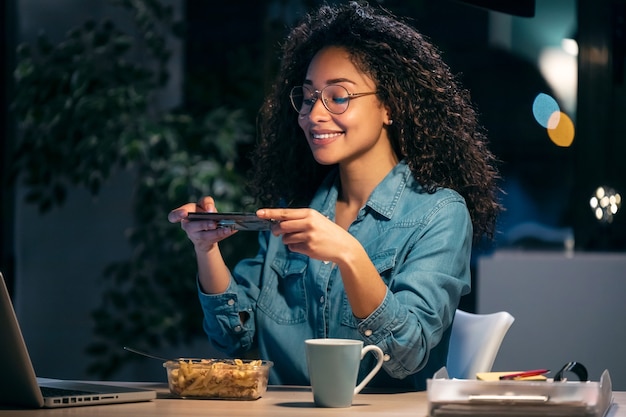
<point>376,172</point>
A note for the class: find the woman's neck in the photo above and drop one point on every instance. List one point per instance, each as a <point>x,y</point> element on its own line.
<point>357,183</point>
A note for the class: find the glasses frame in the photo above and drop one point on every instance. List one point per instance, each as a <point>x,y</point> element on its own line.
<point>316,94</point>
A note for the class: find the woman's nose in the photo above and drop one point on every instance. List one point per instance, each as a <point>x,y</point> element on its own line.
<point>318,110</point>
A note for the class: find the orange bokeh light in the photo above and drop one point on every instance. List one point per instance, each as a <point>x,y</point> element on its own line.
<point>561,129</point>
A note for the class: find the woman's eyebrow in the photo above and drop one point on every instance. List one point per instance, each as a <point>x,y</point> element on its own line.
<point>331,81</point>
<point>340,80</point>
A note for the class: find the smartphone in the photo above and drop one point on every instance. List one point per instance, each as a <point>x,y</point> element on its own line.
<point>238,221</point>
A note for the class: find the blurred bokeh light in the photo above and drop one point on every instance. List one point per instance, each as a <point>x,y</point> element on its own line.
<point>605,204</point>
<point>559,125</point>
<point>561,129</point>
<point>544,107</point>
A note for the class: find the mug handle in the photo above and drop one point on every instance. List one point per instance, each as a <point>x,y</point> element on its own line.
<point>379,355</point>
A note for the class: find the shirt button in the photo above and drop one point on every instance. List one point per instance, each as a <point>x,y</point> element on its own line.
<point>386,358</point>
<point>231,302</point>
<point>322,299</point>
<point>237,329</point>
<point>368,332</point>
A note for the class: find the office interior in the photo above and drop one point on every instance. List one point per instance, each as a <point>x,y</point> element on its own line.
<point>558,260</point>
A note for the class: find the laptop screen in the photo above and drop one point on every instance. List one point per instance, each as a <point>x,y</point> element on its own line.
<point>18,382</point>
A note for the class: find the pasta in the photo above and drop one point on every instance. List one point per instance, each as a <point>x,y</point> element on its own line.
<point>225,379</point>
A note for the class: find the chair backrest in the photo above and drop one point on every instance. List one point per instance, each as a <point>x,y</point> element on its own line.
<point>474,342</point>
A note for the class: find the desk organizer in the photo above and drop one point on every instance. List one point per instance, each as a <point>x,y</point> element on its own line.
<point>465,397</point>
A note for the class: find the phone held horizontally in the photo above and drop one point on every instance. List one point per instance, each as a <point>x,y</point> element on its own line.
<point>236,221</point>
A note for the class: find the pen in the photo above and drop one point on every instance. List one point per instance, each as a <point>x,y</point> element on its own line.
<point>524,374</point>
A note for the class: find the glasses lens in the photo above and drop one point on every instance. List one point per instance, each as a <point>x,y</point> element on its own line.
<point>301,99</point>
<point>336,98</point>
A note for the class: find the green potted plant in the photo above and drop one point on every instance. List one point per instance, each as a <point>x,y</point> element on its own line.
<point>86,109</point>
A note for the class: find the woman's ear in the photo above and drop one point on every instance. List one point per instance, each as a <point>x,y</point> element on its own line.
<point>388,121</point>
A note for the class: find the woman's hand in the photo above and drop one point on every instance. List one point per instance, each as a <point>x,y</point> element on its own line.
<point>203,234</point>
<point>309,232</point>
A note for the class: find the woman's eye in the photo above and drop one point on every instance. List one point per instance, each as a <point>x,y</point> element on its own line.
<point>340,100</point>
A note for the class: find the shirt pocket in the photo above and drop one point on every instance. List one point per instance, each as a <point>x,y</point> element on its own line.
<point>384,262</point>
<point>283,295</point>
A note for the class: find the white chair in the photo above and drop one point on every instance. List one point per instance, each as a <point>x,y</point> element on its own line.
<point>475,341</point>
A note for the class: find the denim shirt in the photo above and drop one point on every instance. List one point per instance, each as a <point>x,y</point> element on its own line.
<point>420,244</point>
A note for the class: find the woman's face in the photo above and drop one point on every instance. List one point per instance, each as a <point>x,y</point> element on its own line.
<point>357,134</point>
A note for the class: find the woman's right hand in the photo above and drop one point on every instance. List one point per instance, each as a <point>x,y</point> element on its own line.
<point>203,234</point>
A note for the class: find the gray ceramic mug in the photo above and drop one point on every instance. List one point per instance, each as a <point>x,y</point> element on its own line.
<point>333,369</point>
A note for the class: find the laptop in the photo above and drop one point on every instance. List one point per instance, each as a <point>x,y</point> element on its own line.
<point>19,386</point>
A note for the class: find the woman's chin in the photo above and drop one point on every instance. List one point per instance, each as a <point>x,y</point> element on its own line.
<point>324,160</point>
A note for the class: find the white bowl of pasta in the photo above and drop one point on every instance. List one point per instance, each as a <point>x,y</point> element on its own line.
<point>226,379</point>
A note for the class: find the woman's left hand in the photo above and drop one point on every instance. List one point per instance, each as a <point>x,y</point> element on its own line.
<point>309,232</point>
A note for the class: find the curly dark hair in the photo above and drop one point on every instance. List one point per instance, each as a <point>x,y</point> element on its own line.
<point>435,126</point>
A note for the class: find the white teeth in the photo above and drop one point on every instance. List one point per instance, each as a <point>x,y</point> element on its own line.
<point>325,135</point>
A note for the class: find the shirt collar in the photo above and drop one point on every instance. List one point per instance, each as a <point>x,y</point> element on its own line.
<point>386,195</point>
<point>383,199</point>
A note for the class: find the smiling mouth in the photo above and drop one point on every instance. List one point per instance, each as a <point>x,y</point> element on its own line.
<point>326,135</point>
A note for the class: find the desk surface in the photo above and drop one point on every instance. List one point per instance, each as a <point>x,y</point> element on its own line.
<point>277,401</point>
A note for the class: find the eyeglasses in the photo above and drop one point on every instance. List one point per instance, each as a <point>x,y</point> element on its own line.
<point>335,98</point>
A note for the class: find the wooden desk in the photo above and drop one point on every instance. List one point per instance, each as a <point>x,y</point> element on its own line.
<point>277,401</point>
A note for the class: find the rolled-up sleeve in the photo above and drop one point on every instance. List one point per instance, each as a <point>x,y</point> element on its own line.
<point>222,320</point>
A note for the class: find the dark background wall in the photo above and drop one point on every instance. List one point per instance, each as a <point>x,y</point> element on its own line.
<point>7,251</point>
